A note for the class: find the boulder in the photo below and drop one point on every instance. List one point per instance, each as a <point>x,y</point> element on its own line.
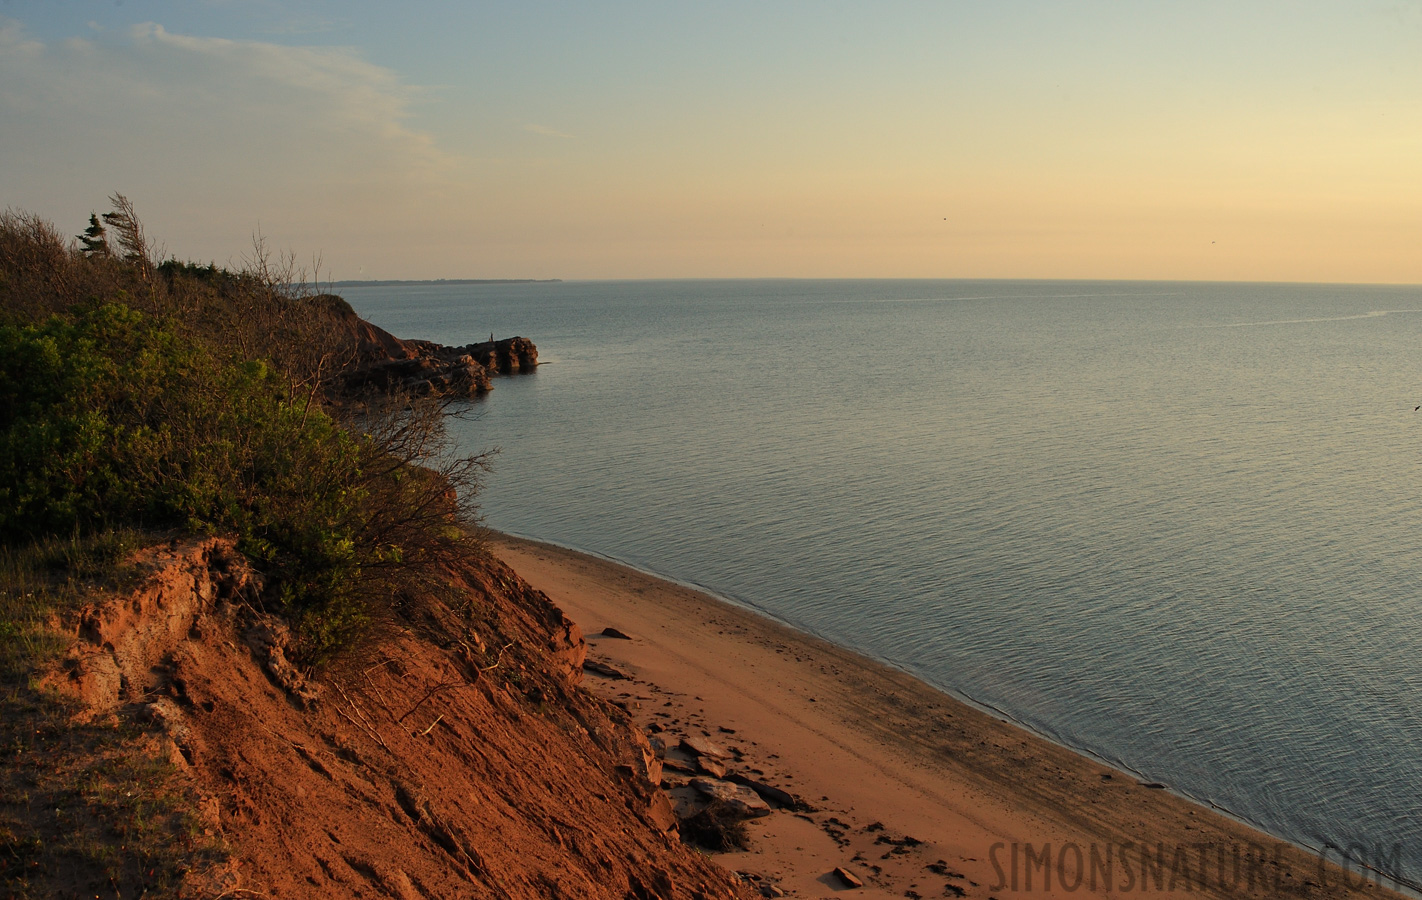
<point>849,878</point>
<point>743,801</point>
<point>772,795</point>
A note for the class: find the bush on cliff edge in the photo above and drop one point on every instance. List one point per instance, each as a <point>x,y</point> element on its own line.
<point>168,417</point>
<point>107,419</point>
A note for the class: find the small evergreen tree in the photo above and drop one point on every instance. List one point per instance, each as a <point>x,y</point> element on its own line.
<point>95,238</point>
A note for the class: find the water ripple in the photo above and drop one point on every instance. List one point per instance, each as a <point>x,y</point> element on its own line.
<point>1111,512</point>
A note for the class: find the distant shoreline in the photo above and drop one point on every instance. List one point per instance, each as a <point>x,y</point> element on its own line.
<point>402,281</point>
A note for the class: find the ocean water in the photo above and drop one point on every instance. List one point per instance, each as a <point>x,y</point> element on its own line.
<point>1173,525</point>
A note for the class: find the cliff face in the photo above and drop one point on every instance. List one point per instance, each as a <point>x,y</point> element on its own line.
<point>457,757</point>
<point>424,367</point>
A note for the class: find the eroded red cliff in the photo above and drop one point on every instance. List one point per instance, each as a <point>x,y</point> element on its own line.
<point>456,756</point>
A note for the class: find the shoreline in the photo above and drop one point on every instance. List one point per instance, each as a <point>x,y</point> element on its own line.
<point>1407,888</point>
<point>985,708</point>
<point>917,791</point>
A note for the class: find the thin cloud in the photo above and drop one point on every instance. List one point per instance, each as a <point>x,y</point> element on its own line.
<point>546,131</point>
<point>307,25</point>
<point>239,130</point>
<point>351,89</point>
<point>14,40</point>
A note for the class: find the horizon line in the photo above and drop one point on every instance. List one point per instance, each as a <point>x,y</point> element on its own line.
<point>688,278</point>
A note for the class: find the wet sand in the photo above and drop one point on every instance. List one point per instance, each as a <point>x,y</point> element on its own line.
<point>914,792</point>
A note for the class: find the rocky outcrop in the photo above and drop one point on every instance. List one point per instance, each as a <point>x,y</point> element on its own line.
<point>381,361</point>
<point>424,367</point>
<point>425,375</point>
<point>710,811</point>
<point>504,357</point>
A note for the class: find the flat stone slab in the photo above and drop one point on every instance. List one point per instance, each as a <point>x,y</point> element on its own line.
<point>603,669</point>
<point>742,800</point>
<point>773,795</point>
<point>711,766</point>
<point>703,746</point>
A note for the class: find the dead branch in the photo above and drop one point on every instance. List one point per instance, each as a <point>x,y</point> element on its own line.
<point>443,685</point>
<point>367,727</point>
<point>499,660</point>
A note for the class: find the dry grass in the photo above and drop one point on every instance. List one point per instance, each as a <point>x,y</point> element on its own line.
<point>84,806</point>
<point>43,582</point>
<point>89,808</point>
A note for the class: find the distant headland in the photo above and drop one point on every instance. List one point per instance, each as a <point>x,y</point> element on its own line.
<point>398,281</point>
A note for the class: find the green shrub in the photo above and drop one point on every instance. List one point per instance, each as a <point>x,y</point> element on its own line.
<point>199,398</point>
<point>108,419</point>
<point>79,438</point>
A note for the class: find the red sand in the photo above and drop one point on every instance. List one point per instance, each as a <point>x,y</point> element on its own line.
<point>883,757</point>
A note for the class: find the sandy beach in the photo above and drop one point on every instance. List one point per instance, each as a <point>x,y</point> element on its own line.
<point>913,792</point>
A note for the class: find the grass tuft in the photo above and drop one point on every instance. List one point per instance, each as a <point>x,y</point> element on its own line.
<point>43,582</point>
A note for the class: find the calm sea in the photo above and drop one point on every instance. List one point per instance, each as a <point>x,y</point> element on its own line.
<point>1173,525</point>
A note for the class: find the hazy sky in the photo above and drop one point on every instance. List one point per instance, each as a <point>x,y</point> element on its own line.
<point>1199,140</point>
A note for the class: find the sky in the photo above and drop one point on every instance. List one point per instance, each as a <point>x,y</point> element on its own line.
<point>1200,140</point>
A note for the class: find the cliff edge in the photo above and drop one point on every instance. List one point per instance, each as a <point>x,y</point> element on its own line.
<point>457,756</point>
